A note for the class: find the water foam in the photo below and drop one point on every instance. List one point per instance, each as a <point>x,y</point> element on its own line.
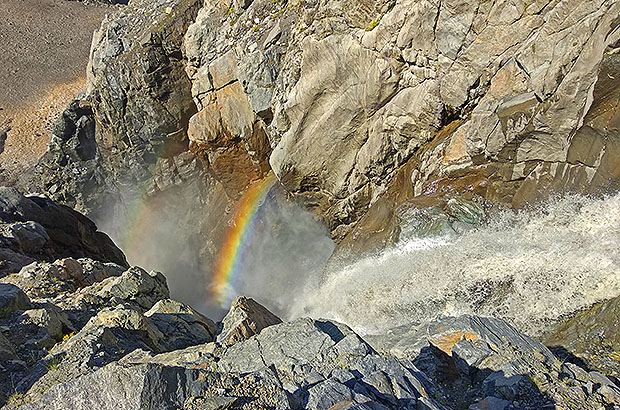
<point>530,267</point>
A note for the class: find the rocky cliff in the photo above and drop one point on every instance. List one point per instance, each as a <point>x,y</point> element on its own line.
<point>358,108</point>
<point>82,333</point>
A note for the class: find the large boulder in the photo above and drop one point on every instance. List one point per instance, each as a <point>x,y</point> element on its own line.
<point>38,227</point>
<point>245,319</point>
<point>12,298</point>
<point>181,324</point>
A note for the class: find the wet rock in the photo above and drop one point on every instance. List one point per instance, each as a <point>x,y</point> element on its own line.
<point>591,336</point>
<point>181,325</point>
<point>245,319</point>
<point>478,358</point>
<point>12,298</point>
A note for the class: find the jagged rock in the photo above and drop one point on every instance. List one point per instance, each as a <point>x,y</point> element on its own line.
<point>328,394</point>
<point>245,319</point>
<point>41,280</point>
<point>491,403</point>
<point>210,403</point>
<point>135,286</point>
<point>197,377</point>
<point>134,111</point>
<point>320,365</point>
<point>7,350</point>
<point>494,360</point>
<point>287,344</point>
<point>12,261</point>
<point>124,318</point>
<point>60,230</point>
<point>181,325</point>
<point>29,237</point>
<point>36,329</point>
<point>95,271</point>
<point>106,338</point>
<point>12,298</point>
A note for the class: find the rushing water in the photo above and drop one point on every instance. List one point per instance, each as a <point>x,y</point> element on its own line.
<point>530,267</point>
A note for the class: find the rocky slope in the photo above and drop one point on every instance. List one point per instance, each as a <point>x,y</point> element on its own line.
<point>44,49</point>
<point>85,333</point>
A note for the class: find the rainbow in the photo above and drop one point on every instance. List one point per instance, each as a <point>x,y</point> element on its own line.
<point>228,263</point>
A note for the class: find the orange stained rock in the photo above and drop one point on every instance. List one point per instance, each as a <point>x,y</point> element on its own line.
<point>445,342</point>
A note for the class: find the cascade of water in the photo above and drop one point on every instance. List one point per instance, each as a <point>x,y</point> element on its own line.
<point>530,267</point>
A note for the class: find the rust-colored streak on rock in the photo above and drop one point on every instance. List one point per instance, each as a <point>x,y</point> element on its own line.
<point>445,342</point>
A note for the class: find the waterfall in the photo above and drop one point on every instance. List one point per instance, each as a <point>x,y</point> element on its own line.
<point>530,267</point>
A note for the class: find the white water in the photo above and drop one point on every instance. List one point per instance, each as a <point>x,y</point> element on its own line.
<point>530,267</point>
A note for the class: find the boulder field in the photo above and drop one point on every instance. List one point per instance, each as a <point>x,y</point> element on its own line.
<point>80,329</point>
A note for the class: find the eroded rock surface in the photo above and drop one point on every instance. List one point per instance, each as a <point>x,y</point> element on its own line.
<point>244,319</point>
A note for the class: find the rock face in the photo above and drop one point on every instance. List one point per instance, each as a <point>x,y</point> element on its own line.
<point>127,134</point>
<point>457,89</point>
<point>361,110</point>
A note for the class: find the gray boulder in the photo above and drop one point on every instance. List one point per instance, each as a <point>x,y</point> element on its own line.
<point>12,298</point>
<point>62,231</point>
<point>181,325</point>
<point>135,287</point>
<point>245,319</point>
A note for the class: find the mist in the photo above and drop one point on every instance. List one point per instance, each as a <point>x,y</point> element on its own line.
<point>176,235</point>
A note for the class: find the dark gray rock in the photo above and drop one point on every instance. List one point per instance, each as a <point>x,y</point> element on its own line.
<point>7,350</point>
<point>12,298</point>
<point>29,237</point>
<point>284,345</point>
<point>491,403</point>
<point>139,387</point>
<point>325,395</point>
<point>69,232</point>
